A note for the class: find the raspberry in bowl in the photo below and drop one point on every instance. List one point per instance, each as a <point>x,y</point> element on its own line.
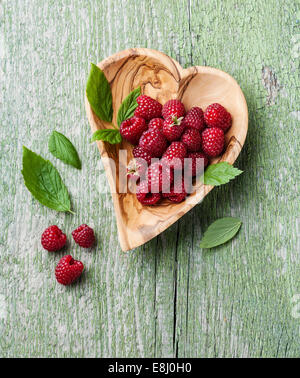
<point>162,78</point>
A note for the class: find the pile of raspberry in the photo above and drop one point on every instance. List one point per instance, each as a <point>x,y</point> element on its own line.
<point>168,139</point>
<point>53,239</point>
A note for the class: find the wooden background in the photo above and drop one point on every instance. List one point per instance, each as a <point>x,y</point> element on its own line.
<point>169,297</point>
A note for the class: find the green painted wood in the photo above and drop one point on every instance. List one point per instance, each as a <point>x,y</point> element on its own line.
<point>169,297</point>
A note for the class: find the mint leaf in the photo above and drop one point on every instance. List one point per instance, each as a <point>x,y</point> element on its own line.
<point>107,135</point>
<point>220,173</point>
<point>44,182</point>
<point>99,94</point>
<point>61,147</point>
<point>220,232</point>
<point>128,106</point>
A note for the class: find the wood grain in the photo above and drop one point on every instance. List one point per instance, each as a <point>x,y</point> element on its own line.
<point>168,298</point>
<point>162,78</point>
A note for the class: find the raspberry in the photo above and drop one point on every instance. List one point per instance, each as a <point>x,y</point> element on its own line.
<point>217,116</point>
<point>173,108</point>
<point>148,108</point>
<point>84,236</point>
<point>174,155</point>
<point>195,119</point>
<point>160,177</point>
<point>178,191</point>
<point>145,196</point>
<point>139,152</point>
<point>191,165</point>
<point>136,168</point>
<point>153,142</point>
<point>53,239</point>
<point>192,139</point>
<point>68,270</point>
<point>132,129</point>
<point>156,124</point>
<point>173,128</point>
<point>213,141</point>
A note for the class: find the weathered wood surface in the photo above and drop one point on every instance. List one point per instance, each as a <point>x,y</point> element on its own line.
<point>169,297</point>
<point>163,78</point>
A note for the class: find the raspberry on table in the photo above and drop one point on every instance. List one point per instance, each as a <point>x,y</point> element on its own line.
<point>53,239</point>
<point>84,236</point>
<point>217,116</point>
<point>173,108</point>
<point>195,119</point>
<point>154,142</point>
<point>156,124</point>
<point>173,128</point>
<point>133,128</point>
<point>68,270</point>
<point>148,108</point>
<point>192,139</point>
<point>144,196</point>
<point>174,155</point>
<point>213,141</point>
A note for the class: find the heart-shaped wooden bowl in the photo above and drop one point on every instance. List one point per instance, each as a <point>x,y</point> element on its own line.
<point>162,78</point>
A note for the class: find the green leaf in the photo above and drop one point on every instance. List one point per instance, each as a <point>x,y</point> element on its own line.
<point>61,147</point>
<point>107,135</point>
<point>220,173</point>
<point>99,94</point>
<point>128,106</point>
<point>44,182</point>
<point>220,232</point>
